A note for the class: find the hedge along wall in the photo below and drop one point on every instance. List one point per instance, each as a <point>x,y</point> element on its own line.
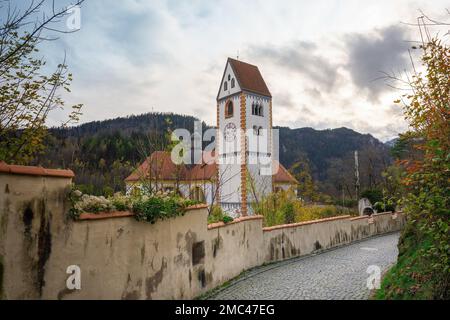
<point>121,258</point>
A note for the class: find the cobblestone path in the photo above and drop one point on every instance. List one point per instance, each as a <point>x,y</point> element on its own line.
<point>337,274</point>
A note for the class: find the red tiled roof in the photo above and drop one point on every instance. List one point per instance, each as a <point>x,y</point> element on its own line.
<point>165,169</point>
<point>249,77</point>
<point>159,166</point>
<point>35,171</point>
<point>206,170</point>
<point>283,176</point>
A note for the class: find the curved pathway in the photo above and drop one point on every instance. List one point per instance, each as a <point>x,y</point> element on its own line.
<point>337,274</point>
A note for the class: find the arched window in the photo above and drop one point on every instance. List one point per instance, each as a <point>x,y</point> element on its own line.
<point>225,86</point>
<point>260,131</point>
<point>197,194</point>
<point>229,109</point>
<point>260,111</point>
<point>232,83</point>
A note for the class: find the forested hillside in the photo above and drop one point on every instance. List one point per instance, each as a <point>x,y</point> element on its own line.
<point>330,156</point>
<point>103,153</point>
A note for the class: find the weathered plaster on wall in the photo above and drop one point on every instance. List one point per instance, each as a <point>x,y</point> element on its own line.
<point>121,258</point>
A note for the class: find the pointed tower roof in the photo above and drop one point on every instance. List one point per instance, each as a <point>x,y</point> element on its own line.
<point>248,77</point>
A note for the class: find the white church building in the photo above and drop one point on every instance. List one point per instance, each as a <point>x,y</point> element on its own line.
<point>243,166</point>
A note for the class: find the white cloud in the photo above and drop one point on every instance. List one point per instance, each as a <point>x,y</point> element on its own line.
<point>137,56</point>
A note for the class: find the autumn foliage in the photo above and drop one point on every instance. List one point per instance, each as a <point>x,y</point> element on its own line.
<point>423,270</point>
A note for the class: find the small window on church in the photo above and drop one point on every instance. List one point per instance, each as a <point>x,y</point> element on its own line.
<point>255,130</point>
<point>225,86</point>
<point>229,109</point>
<point>260,111</point>
<point>229,77</point>
<point>232,83</point>
<point>260,131</point>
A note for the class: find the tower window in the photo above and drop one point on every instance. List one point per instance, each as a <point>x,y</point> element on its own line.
<point>229,109</point>
<point>260,131</point>
<point>232,83</point>
<point>257,109</point>
<point>225,86</point>
<point>229,77</point>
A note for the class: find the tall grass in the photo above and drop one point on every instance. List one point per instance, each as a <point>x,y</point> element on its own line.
<point>314,212</point>
<point>284,207</point>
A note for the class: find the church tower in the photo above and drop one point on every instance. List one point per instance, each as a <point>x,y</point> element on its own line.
<point>244,140</point>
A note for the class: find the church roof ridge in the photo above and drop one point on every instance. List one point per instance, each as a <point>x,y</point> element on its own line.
<point>237,60</point>
<point>165,169</point>
<point>248,77</point>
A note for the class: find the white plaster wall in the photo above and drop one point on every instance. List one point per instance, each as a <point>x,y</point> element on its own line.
<point>121,258</point>
<point>230,187</point>
<point>233,146</point>
<point>259,166</point>
<point>229,167</point>
<point>228,71</point>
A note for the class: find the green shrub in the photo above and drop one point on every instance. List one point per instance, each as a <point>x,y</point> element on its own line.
<point>107,191</point>
<point>413,276</point>
<point>283,207</point>
<point>150,209</point>
<point>277,208</point>
<point>315,212</point>
<point>288,212</point>
<point>216,214</point>
<point>384,206</point>
<point>121,202</point>
<point>145,208</point>
<point>227,219</point>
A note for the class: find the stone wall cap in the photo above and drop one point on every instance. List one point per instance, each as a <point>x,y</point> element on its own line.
<point>382,213</point>
<point>35,171</point>
<point>303,223</point>
<point>104,215</point>
<point>240,219</point>
<point>359,218</point>
<point>373,215</point>
<point>197,206</point>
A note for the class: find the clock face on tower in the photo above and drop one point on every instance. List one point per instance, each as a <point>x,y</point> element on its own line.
<point>230,132</point>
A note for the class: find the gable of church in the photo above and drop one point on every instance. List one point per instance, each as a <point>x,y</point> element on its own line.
<point>229,84</point>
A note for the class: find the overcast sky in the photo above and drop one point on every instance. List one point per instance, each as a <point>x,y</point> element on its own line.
<point>320,59</point>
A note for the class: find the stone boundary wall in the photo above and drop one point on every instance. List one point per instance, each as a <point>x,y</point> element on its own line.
<point>121,258</point>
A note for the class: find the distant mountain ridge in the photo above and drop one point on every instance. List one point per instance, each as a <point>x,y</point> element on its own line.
<point>319,146</point>
<point>102,153</point>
